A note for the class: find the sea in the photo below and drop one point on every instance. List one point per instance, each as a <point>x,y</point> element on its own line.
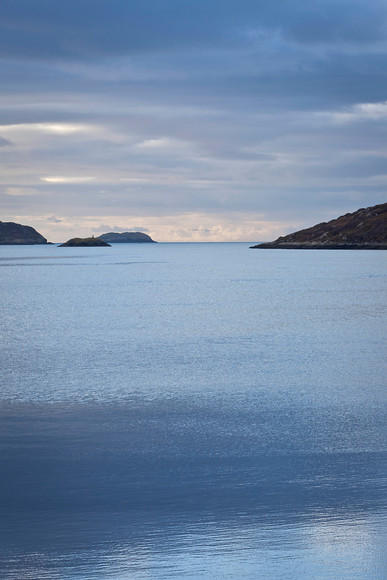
<point>192,411</point>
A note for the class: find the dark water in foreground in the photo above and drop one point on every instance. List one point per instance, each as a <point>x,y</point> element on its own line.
<point>192,411</point>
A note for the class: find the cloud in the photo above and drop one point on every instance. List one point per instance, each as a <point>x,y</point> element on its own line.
<point>162,143</point>
<point>53,135</point>
<point>169,146</point>
<point>359,112</point>
<point>21,191</point>
<point>150,110</point>
<point>373,110</point>
<point>103,229</point>
<point>45,30</point>
<point>54,220</point>
<point>62,179</point>
<point>56,128</point>
<point>4,142</point>
<point>361,166</point>
<point>184,227</point>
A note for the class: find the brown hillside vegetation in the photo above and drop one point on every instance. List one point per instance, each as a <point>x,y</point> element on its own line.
<point>364,229</point>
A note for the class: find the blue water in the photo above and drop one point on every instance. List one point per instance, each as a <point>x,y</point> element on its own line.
<point>194,411</point>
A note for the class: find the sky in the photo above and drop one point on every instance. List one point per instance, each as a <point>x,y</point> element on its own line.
<point>191,120</point>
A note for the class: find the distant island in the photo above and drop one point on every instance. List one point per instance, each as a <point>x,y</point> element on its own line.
<point>16,234</point>
<point>127,238</point>
<point>364,229</point>
<point>84,242</point>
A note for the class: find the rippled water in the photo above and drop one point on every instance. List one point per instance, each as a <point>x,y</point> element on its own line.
<point>192,411</point>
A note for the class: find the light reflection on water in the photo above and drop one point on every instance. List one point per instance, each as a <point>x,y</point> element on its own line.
<point>192,411</point>
<point>319,548</point>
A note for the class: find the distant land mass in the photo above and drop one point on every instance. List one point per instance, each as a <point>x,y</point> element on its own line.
<point>127,238</point>
<point>12,233</point>
<point>84,242</point>
<point>364,229</point>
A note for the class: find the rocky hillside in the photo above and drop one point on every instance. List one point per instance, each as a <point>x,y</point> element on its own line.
<point>11,233</point>
<point>126,238</point>
<point>84,242</point>
<point>364,229</point>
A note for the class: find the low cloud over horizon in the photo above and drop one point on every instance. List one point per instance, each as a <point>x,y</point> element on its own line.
<point>195,121</point>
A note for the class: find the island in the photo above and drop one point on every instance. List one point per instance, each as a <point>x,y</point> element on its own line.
<point>16,234</point>
<point>127,238</point>
<point>84,242</point>
<point>364,229</point>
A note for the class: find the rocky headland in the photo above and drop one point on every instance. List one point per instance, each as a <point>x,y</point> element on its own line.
<point>84,242</point>
<point>364,229</point>
<point>16,234</point>
<point>127,238</point>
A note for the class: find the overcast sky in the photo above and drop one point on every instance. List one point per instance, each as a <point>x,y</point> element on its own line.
<point>192,120</point>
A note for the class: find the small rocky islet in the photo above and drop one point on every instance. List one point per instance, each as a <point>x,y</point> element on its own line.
<point>364,229</point>
<point>110,238</point>
<point>84,242</point>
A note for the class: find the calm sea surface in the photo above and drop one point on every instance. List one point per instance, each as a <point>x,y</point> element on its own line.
<point>192,411</point>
